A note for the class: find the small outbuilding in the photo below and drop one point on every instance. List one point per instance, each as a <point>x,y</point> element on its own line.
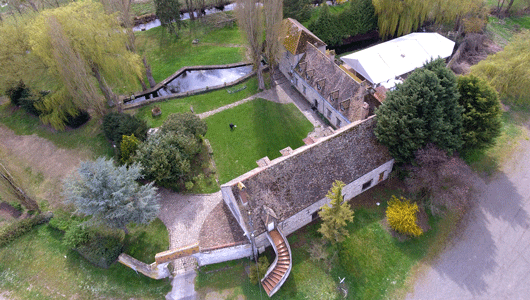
<point>384,64</point>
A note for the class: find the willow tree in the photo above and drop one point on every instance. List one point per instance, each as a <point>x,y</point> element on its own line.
<point>273,14</point>
<point>399,17</point>
<point>250,18</point>
<point>508,71</point>
<point>80,44</point>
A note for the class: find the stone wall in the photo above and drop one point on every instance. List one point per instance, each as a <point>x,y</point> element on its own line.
<point>222,254</point>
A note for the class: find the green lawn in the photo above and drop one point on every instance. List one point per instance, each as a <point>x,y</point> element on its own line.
<point>39,266</point>
<point>201,103</point>
<point>502,30</point>
<point>144,241</point>
<point>166,53</point>
<point>374,264</point>
<point>87,137</point>
<point>263,128</point>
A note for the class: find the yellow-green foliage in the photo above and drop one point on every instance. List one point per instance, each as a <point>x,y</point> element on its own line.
<point>128,146</point>
<point>402,216</point>
<point>336,215</point>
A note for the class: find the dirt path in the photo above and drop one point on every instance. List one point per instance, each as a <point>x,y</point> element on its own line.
<point>37,163</point>
<point>491,257</point>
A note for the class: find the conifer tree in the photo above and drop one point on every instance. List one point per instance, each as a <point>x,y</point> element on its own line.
<point>111,194</point>
<point>297,9</point>
<point>424,109</point>
<point>336,215</point>
<point>327,27</point>
<point>482,112</point>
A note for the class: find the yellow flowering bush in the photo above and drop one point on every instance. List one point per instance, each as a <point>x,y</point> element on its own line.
<point>402,216</point>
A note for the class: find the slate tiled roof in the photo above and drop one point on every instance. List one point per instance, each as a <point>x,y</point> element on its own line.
<point>292,183</point>
<point>332,83</point>
<point>296,36</point>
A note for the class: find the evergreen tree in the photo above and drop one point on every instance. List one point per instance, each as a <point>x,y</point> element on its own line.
<point>299,10</point>
<point>111,194</point>
<point>168,12</point>
<point>482,112</point>
<point>327,27</point>
<point>128,146</point>
<point>424,109</point>
<point>358,17</point>
<point>336,216</point>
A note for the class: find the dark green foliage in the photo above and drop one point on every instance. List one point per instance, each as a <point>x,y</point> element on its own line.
<point>168,11</point>
<point>424,109</point>
<point>20,227</point>
<point>358,18</point>
<point>115,125</point>
<point>327,27</point>
<point>102,250</point>
<point>166,157</point>
<point>299,10</point>
<point>482,112</point>
<point>186,124</point>
<point>256,272</point>
<point>16,92</point>
<point>76,121</point>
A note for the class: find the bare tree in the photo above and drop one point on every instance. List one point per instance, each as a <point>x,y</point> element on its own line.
<point>250,19</point>
<point>273,13</point>
<point>123,8</point>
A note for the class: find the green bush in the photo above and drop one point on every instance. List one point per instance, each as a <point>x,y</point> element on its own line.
<point>102,250</point>
<point>116,125</point>
<point>19,228</point>
<point>128,146</point>
<point>257,272</point>
<point>186,124</point>
<point>77,235</point>
<point>402,216</point>
<point>16,92</point>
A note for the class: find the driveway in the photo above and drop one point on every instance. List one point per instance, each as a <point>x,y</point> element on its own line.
<point>490,259</point>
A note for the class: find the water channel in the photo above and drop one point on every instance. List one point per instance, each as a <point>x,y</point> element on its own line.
<point>197,79</point>
<point>184,16</point>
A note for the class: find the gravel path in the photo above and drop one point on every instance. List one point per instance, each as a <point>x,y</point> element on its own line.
<point>491,257</point>
<point>184,215</point>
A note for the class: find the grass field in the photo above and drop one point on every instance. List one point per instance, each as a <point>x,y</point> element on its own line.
<point>263,128</point>
<point>87,137</point>
<point>502,30</point>
<point>374,264</point>
<point>201,103</point>
<point>39,266</point>
<point>166,53</point>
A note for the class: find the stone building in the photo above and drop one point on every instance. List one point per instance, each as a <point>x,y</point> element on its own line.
<point>331,90</point>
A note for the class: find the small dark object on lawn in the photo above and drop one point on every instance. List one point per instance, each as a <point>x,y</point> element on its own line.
<point>232,126</point>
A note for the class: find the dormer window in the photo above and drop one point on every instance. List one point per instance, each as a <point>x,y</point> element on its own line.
<point>307,77</point>
<point>319,87</point>
<point>334,96</point>
<point>344,105</point>
<point>320,84</point>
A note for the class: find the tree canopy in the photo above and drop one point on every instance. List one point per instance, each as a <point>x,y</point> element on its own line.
<point>299,10</point>
<point>399,17</point>
<point>74,49</point>
<point>327,27</point>
<point>111,194</point>
<point>482,112</point>
<point>168,12</point>
<point>508,71</point>
<point>424,109</point>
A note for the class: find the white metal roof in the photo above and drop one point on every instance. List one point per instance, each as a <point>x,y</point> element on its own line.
<point>396,57</point>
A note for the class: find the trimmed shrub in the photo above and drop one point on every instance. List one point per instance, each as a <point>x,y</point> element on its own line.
<point>186,124</point>
<point>116,125</point>
<point>76,236</point>
<point>19,228</point>
<point>256,272</point>
<point>402,216</point>
<point>101,250</point>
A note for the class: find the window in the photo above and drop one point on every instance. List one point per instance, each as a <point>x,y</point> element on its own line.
<point>381,176</point>
<point>315,215</point>
<point>319,87</point>
<point>338,122</point>
<point>342,107</point>
<point>367,184</point>
<point>295,81</point>
<point>307,77</point>
<point>304,89</point>
<point>329,113</point>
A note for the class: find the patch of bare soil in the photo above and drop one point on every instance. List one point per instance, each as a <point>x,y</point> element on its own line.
<point>9,211</point>
<point>28,157</point>
<point>476,47</point>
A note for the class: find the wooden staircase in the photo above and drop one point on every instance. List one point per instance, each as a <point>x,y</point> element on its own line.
<point>281,267</point>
